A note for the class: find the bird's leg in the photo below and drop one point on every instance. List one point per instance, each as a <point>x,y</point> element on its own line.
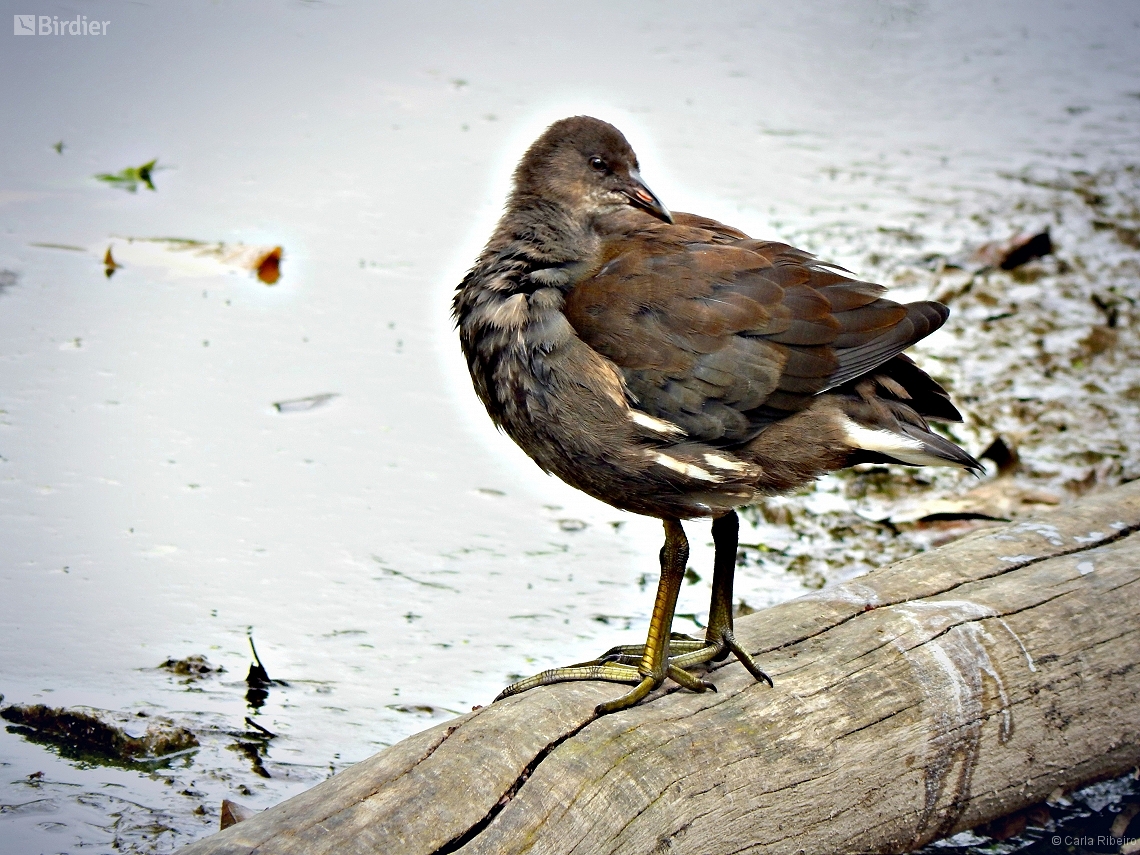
<point>726,539</point>
<point>655,663</point>
<point>719,639</point>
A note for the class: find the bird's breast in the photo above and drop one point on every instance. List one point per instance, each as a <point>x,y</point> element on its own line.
<point>528,363</point>
<point>567,407</point>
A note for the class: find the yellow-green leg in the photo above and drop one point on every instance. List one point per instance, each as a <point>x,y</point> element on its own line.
<point>726,537</point>
<point>655,664</point>
<point>666,654</point>
<point>719,638</point>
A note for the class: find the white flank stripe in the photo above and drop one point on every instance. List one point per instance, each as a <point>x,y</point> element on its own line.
<point>724,463</point>
<point>689,470</point>
<point>658,425</point>
<point>887,442</point>
<point>870,439</point>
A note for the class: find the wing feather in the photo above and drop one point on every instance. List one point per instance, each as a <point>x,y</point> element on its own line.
<point>721,334</point>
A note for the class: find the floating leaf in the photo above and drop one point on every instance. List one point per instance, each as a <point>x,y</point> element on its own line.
<point>183,256</point>
<point>269,267</point>
<point>130,178</point>
<point>109,265</point>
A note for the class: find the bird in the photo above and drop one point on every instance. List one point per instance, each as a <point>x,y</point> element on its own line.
<point>672,366</point>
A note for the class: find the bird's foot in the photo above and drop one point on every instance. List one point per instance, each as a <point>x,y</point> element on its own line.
<point>716,648</point>
<point>686,651</point>
<point>632,654</point>
<point>609,672</point>
<point>622,664</point>
<point>596,669</point>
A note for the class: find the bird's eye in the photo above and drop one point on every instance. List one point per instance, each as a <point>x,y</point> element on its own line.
<point>598,164</point>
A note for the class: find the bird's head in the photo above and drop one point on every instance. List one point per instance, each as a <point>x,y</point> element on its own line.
<point>585,166</point>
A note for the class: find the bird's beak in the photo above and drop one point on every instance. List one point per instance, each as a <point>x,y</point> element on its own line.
<point>644,198</point>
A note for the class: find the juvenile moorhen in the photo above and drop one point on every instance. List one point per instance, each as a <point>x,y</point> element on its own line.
<point>672,366</point>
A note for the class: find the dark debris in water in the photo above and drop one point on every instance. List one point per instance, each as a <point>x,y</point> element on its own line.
<point>109,264</point>
<point>258,680</point>
<point>233,813</point>
<point>194,667</point>
<point>301,405</point>
<point>1004,457</point>
<point>253,751</point>
<point>1018,250</point>
<point>98,736</point>
<point>1101,818</point>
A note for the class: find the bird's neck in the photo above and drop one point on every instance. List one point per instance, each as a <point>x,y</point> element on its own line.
<point>544,232</point>
<point>535,245</point>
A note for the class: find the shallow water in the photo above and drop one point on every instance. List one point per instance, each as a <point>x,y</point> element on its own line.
<point>396,559</point>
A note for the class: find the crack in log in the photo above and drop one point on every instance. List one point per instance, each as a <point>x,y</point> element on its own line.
<point>749,784</point>
<point>1120,534</point>
<point>952,811</point>
<point>459,841</point>
<point>680,717</point>
<point>637,815</point>
<point>664,790</point>
<point>822,821</point>
<point>1085,547</point>
<point>894,641</point>
<point>879,720</point>
<point>600,794</point>
<point>1124,634</point>
<point>380,785</point>
<point>434,747</point>
<point>728,794</point>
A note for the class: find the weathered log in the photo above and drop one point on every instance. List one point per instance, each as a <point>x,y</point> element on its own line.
<point>926,697</point>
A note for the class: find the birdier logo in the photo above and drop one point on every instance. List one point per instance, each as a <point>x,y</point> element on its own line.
<point>51,25</point>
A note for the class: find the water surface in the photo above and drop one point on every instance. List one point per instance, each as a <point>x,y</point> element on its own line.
<point>397,559</point>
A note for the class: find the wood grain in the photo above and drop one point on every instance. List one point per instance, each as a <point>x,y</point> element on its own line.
<point>923,698</point>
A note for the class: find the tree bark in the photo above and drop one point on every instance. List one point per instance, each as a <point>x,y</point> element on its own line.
<point>926,697</point>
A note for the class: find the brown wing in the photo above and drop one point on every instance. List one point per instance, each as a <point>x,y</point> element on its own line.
<point>722,335</point>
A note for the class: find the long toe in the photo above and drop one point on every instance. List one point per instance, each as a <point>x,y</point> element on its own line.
<point>746,659</point>
<point>610,672</point>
